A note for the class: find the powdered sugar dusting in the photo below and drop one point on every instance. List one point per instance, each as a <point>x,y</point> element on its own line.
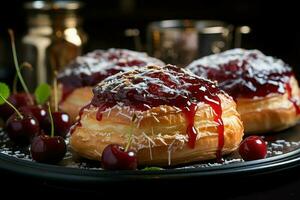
<point>255,58</point>
<point>101,61</point>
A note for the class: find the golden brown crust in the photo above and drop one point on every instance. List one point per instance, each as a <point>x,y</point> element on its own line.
<point>272,113</point>
<point>159,134</point>
<point>75,101</point>
<point>261,115</point>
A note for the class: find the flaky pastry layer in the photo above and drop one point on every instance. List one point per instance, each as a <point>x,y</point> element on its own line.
<point>75,101</point>
<point>272,113</point>
<point>159,134</point>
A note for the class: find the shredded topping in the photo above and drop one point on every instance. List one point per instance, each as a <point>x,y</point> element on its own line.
<point>153,86</point>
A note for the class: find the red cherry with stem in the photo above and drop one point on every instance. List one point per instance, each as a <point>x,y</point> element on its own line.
<point>48,149</point>
<point>37,111</point>
<point>17,100</point>
<point>62,124</point>
<point>253,148</point>
<point>114,157</point>
<point>62,121</point>
<point>21,129</point>
<point>5,110</point>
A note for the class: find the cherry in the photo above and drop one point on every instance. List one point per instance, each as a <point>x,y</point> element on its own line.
<point>23,99</point>
<point>253,148</point>
<point>21,130</point>
<point>18,100</point>
<point>37,111</point>
<point>114,157</point>
<point>62,123</point>
<point>48,149</point>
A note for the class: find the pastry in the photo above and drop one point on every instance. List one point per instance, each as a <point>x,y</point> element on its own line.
<point>78,78</point>
<point>170,115</point>
<point>264,88</point>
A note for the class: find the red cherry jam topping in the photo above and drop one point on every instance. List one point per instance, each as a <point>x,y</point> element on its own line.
<point>90,69</point>
<point>152,86</point>
<point>244,73</point>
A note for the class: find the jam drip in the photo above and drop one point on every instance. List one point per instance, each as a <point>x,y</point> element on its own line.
<point>90,69</point>
<point>246,73</point>
<point>145,88</point>
<point>218,119</point>
<point>78,121</point>
<point>291,99</point>
<point>189,113</point>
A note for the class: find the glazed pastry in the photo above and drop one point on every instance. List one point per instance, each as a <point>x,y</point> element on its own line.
<point>265,88</point>
<point>171,116</point>
<point>77,79</point>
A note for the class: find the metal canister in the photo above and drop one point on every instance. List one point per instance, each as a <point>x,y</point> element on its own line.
<point>55,37</point>
<point>181,41</point>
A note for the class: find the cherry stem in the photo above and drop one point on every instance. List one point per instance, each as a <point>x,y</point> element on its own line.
<point>51,120</point>
<point>15,81</point>
<point>55,91</point>
<point>12,106</point>
<point>13,46</point>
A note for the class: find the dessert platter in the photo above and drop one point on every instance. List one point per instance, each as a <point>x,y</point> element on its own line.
<point>118,114</point>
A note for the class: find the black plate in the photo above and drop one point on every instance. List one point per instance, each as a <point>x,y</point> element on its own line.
<point>283,153</point>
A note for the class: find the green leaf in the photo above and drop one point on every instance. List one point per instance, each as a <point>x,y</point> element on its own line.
<point>152,169</point>
<point>4,92</point>
<point>42,93</point>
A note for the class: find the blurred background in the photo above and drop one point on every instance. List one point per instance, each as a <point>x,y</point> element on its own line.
<point>103,24</point>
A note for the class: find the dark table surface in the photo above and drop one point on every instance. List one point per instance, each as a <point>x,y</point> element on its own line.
<point>281,185</point>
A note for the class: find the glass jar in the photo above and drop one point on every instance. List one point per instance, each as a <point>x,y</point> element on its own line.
<point>182,41</point>
<point>54,38</point>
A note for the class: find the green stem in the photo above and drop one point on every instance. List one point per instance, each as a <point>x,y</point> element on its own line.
<point>12,38</point>
<point>12,106</point>
<point>55,92</point>
<point>15,81</point>
<point>51,120</point>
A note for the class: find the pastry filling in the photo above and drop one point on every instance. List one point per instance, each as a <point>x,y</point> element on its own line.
<point>145,88</point>
<point>246,73</point>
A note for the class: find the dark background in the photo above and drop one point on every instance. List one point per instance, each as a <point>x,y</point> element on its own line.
<point>274,31</point>
<point>274,23</point>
